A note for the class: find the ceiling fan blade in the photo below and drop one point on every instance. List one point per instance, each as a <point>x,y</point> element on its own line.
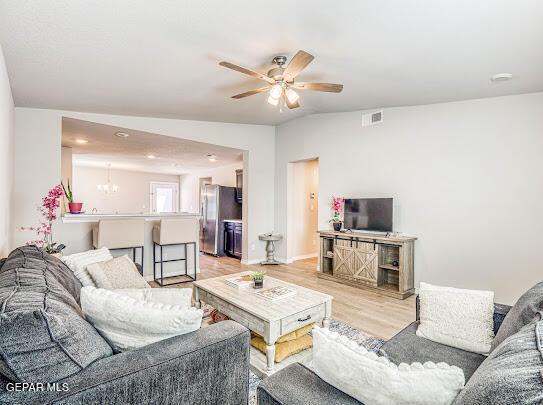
<point>290,105</point>
<point>247,72</point>
<point>297,64</point>
<point>328,87</point>
<point>252,92</point>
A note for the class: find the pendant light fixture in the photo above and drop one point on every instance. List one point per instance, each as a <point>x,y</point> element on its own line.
<point>109,187</point>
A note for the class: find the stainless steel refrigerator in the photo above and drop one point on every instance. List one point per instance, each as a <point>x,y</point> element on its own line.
<point>218,203</point>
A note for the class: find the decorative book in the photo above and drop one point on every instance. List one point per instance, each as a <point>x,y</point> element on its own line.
<point>240,281</point>
<point>276,293</point>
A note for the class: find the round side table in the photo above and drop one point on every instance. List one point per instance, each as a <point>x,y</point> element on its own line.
<point>270,239</point>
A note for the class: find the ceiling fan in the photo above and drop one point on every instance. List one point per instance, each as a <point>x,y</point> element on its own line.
<point>280,79</point>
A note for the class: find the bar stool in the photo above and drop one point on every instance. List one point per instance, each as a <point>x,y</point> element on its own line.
<point>117,234</point>
<point>175,232</point>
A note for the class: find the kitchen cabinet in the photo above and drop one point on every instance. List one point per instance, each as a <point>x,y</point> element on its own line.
<point>238,236</point>
<point>233,237</point>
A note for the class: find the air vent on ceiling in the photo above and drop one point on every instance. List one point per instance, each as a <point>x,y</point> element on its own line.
<point>373,118</point>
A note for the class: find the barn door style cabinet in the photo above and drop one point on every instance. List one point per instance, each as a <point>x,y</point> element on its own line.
<point>367,260</point>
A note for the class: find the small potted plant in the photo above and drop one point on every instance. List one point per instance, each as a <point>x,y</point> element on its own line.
<point>337,208</point>
<point>44,230</point>
<point>258,278</point>
<point>75,207</point>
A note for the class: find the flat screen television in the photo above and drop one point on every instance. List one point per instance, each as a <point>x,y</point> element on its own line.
<point>368,214</point>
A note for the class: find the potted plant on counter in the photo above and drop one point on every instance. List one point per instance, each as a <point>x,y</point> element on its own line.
<point>75,207</point>
<point>44,230</point>
<point>337,208</point>
<point>258,278</point>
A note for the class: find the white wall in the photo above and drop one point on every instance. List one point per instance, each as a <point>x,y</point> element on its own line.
<point>466,178</point>
<point>6,157</point>
<point>37,166</point>
<point>66,173</point>
<point>132,196</point>
<point>303,210</point>
<point>190,184</point>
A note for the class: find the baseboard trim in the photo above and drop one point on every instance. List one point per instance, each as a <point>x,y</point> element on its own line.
<point>252,261</point>
<point>295,258</point>
<point>303,257</point>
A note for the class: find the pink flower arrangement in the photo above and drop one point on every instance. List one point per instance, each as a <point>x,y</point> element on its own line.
<point>337,209</point>
<point>44,230</point>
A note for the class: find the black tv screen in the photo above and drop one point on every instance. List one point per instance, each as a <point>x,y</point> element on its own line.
<point>368,214</point>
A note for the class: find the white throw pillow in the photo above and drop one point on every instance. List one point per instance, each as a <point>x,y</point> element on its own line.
<point>459,318</point>
<point>172,296</point>
<point>78,263</point>
<point>374,380</point>
<point>120,272</point>
<point>128,324</point>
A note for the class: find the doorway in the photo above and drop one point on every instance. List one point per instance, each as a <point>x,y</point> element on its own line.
<point>302,209</point>
<point>164,197</point>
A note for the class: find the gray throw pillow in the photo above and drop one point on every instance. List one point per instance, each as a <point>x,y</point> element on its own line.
<point>512,373</point>
<point>43,336</point>
<point>33,257</point>
<point>522,313</point>
<point>120,272</point>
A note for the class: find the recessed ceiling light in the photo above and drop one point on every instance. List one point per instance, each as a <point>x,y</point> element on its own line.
<point>122,134</point>
<point>151,156</point>
<point>501,77</point>
<point>81,141</point>
<point>212,158</point>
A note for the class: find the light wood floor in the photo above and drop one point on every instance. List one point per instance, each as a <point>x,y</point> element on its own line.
<point>369,311</point>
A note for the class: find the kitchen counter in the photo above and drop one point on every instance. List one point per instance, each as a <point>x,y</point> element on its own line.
<point>78,218</point>
<point>235,221</point>
<point>78,229</point>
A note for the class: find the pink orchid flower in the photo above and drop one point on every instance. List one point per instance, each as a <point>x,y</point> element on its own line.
<point>48,210</point>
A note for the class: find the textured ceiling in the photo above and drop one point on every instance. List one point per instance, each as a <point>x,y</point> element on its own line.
<point>172,155</point>
<point>159,58</point>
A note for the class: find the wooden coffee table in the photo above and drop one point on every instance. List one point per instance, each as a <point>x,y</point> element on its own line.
<point>269,319</point>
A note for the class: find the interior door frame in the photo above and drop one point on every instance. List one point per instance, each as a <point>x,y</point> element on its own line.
<point>291,214</point>
<point>163,183</point>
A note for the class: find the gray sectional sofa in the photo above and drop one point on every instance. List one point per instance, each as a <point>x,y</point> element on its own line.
<point>511,374</point>
<point>46,344</point>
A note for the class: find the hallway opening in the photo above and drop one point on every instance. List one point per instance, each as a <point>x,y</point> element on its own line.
<point>302,206</point>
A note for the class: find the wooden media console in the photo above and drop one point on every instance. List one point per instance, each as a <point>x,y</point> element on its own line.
<point>366,260</point>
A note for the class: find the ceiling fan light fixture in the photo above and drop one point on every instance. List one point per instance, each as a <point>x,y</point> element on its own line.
<point>275,91</point>
<point>280,79</point>
<point>273,101</point>
<point>292,96</point>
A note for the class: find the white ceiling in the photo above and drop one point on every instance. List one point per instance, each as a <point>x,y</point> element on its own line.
<point>172,155</point>
<point>159,58</point>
